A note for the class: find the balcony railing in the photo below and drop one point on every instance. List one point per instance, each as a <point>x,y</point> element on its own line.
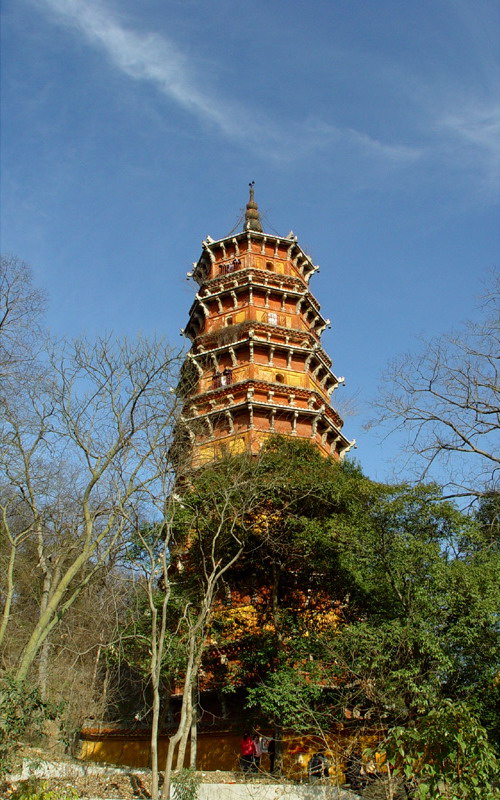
<point>224,378</point>
<point>231,266</point>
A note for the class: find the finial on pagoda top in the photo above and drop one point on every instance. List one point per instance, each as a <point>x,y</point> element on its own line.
<point>252,216</point>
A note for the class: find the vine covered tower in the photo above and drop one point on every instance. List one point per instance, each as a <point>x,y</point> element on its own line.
<point>256,365</point>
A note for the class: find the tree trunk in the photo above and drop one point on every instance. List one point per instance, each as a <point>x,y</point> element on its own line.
<point>9,593</point>
<point>391,789</point>
<point>181,753</point>
<point>105,688</point>
<point>43,661</point>
<point>184,723</point>
<point>95,672</point>
<point>51,609</point>
<point>154,742</point>
<point>194,728</point>
<point>43,669</point>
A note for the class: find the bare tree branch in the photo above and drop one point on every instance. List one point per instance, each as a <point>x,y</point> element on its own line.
<point>446,400</point>
<point>21,308</point>
<point>80,446</point>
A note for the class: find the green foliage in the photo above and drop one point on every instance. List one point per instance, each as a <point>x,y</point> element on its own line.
<point>445,754</point>
<point>289,698</point>
<point>390,669</point>
<point>145,544</point>
<point>302,503</point>
<point>133,646</point>
<point>35,789</point>
<point>22,714</point>
<point>488,517</point>
<point>185,785</point>
<point>415,585</point>
<point>401,549</point>
<point>370,603</point>
<point>422,622</point>
<point>130,656</point>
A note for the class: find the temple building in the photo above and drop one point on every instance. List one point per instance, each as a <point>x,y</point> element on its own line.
<point>258,366</point>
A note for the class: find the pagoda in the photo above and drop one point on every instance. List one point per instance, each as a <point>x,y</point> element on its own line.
<point>256,366</point>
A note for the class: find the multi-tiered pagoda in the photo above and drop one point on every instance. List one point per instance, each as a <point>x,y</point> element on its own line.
<point>258,364</point>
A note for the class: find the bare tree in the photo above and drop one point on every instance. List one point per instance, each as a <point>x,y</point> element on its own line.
<point>152,567</point>
<point>80,447</point>
<point>182,563</point>
<point>447,401</point>
<point>21,308</point>
<point>218,510</point>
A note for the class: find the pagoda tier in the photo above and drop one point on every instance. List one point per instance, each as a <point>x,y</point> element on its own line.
<point>256,364</point>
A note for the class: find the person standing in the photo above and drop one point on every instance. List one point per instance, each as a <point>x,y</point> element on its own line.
<point>271,752</point>
<point>247,753</point>
<point>315,767</point>
<point>257,751</point>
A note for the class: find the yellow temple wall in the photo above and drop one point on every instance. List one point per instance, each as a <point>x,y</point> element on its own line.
<point>213,752</point>
<point>218,751</point>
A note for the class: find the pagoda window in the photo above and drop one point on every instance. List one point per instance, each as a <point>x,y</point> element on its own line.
<point>279,378</point>
<point>272,317</point>
<point>269,265</point>
<point>229,320</point>
<point>224,378</point>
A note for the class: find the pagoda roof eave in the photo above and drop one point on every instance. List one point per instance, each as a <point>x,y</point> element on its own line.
<point>194,311</point>
<point>257,234</point>
<point>240,278</point>
<point>297,391</point>
<point>291,241</point>
<point>200,339</point>
<point>319,352</point>
<point>348,444</point>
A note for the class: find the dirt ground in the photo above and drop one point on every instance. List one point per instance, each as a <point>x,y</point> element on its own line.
<point>122,784</point>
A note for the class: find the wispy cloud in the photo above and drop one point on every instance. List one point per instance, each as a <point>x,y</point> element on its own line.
<point>142,56</point>
<point>157,60</point>
<point>473,131</point>
<point>461,134</point>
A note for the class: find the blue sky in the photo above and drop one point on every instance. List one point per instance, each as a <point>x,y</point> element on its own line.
<point>371,127</point>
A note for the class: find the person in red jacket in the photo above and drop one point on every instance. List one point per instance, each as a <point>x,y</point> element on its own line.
<point>247,753</point>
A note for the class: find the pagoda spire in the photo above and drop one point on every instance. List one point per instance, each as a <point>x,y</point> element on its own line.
<point>252,215</point>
